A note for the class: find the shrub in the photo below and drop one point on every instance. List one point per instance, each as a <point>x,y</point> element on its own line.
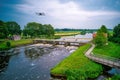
<point>8,44</point>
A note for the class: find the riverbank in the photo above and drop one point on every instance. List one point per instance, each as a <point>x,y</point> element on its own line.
<point>77,66</point>
<point>112,50</point>
<point>13,43</point>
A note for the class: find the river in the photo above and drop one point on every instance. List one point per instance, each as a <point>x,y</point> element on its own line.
<point>32,62</point>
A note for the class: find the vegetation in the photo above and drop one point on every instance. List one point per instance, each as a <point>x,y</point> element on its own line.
<point>77,66</point>
<point>3,30</point>
<point>31,30</point>
<point>103,29</point>
<point>13,28</point>
<point>7,29</point>
<point>112,49</point>
<point>67,33</point>
<point>74,30</point>
<point>115,77</point>
<point>34,29</point>
<point>83,32</point>
<point>116,34</point>
<point>8,44</point>
<point>101,37</point>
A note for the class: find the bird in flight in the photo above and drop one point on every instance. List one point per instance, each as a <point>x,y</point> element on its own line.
<point>40,13</point>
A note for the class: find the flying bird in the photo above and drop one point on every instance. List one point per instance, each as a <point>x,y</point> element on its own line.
<point>40,13</point>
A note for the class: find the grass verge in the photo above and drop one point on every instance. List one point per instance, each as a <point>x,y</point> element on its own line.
<point>15,43</point>
<point>77,66</point>
<point>112,50</point>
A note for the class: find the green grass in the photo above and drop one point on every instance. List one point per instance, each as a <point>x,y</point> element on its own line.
<point>112,50</point>
<point>15,43</point>
<point>110,32</point>
<point>79,63</point>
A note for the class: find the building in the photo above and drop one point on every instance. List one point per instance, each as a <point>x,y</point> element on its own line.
<point>16,37</point>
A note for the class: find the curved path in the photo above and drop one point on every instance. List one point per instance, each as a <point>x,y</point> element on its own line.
<point>109,62</point>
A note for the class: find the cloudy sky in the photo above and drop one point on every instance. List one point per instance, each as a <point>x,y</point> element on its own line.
<point>79,14</point>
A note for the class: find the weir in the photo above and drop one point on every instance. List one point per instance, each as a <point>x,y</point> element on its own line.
<point>59,42</point>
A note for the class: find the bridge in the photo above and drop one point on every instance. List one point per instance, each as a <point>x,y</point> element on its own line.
<point>102,59</point>
<point>59,42</point>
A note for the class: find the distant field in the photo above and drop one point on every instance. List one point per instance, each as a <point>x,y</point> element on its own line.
<point>67,33</point>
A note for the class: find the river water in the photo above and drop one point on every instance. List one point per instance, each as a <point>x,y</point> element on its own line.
<point>32,62</point>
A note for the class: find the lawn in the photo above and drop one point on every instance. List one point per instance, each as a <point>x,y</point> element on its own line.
<point>77,65</point>
<point>15,43</point>
<point>112,49</point>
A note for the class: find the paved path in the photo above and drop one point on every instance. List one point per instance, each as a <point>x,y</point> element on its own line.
<point>109,62</point>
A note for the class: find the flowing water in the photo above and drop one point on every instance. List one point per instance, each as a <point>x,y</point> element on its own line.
<point>31,62</point>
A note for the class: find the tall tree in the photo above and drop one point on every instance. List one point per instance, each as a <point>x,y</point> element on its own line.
<point>116,34</point>
<point>116,31</point>
<point>101,37</point>
<point>3,30</point>
<point>36,29</point>
<point>13,27</point>
<point>104,29</point>
<point>31,29</point>
<point>49,30</point>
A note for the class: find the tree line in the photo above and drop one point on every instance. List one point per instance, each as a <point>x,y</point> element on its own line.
<point>9,28</point>
<point>31,29</point>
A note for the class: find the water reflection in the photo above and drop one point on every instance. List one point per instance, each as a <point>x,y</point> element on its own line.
<point>4,62</point>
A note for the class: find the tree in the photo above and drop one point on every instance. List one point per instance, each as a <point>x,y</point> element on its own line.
<point>3,30</point>
<point>101,37</point>
<point>13,28</point>
<point>36,29</point>
<point>116,34</point>
<point>116,31</point>
<point>104,29</point>
<point>49,30</point>
<point>32,29</point>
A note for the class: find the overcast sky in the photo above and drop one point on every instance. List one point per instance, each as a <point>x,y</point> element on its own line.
<point>79,14</point>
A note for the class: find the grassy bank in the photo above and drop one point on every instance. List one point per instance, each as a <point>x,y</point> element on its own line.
<point>77,66</point>
<point>112,49</point>
<point>13,43</point>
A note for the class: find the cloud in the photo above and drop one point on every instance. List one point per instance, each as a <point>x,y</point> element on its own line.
<point>69,14</point>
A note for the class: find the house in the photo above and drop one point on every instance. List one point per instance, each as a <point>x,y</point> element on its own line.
<point>16,37</point>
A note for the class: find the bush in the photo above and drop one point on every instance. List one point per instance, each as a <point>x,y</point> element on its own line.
<point>116,77</point>
<point>8,44</point>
